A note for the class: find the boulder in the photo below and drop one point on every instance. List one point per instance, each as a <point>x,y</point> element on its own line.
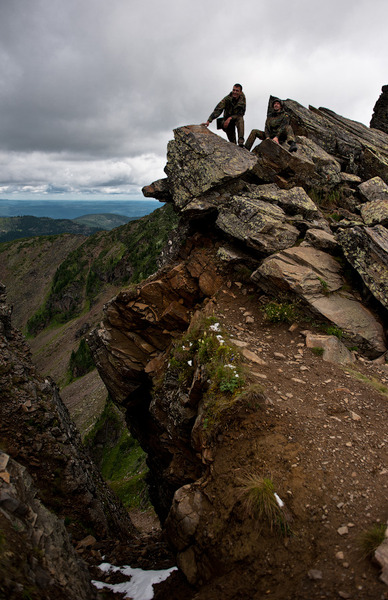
<point>320,239</point>
<point>199,160</point>
<point>366,248</point>
<point>334,350</point>
<point>379,118</point>
<point>159,189</point>
<point>315,277</point>
<point>309,167</point>
<point>257,224</point>
<point>294,201</point>
<point>375,210</point>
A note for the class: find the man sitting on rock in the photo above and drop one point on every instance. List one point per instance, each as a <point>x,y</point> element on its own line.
<point>233,106</point>
<point>277,128</point>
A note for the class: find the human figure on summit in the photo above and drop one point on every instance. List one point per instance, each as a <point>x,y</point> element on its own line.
<point>233,106</point>
<point>277,128</point>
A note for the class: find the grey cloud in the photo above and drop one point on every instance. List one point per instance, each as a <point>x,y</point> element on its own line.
<point>88,82</point>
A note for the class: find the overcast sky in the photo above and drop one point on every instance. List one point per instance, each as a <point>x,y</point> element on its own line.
<point>90,90</point>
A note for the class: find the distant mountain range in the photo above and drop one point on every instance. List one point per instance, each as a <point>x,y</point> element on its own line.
<point>13,228</point>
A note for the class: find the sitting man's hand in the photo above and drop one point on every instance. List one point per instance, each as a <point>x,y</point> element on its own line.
<point>206,124</point>
<point>226,122</point>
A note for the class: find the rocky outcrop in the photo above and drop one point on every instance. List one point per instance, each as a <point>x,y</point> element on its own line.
<point>379,118</point>
<point>258,212</point>
<point>310,167</point>
<point>46,476</point>
<point>45,560</point>
<point>358,149</point>
<point>315,276</point>
<point>198,161</point>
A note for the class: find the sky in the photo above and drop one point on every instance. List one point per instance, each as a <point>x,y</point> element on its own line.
<point>91,90</point>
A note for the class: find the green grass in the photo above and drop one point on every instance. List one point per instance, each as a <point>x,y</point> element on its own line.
<point>371,381</point>
<point>121,460</point>
<point>370,540</point>
<point>127,254</point>
<point>260,502</point>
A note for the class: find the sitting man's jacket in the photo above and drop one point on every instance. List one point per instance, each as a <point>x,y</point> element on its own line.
<point>232,107</point>
<point>276,124</point>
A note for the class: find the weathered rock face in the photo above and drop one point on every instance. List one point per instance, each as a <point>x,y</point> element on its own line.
<point>36,431</point>
<point>380,111</point>
<point>52,565</point>
<point>366,248</point>
<point>198,161</point>
<point>375,209</point>
<point>310,167</point>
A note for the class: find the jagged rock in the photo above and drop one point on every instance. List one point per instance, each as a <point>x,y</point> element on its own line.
<point>309,167</point>
<point>375,210</point>
<point>379,118</point>
<point>159,189</point>
<point>320,239</point>
<point>37,429</point>
<point>359,149</point>
<point>373,189</point>
<point>294,201</point>
<point>315,277</point>
<point>56,568</point>
<point>258,224</point>
<point>199,160</point>
<point>140,323</point>
<point>334,350</point>
<point>366,248</point>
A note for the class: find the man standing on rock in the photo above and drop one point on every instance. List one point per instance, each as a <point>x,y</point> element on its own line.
<point>233,106</point>
<point>277,128</point>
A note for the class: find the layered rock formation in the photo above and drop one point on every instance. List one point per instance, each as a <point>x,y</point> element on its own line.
<point>261,214</point>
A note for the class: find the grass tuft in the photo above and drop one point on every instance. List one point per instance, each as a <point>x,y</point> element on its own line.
<point>260,502</point>
<point>370,540</point>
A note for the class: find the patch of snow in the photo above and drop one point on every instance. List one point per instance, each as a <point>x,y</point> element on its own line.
<point>139,587</point>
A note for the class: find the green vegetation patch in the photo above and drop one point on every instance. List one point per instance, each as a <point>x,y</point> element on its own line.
<point>281,312</point>
<point>121,460</point>
<point>207,351</point>
<point>81,361</point>
<point>127,254</point>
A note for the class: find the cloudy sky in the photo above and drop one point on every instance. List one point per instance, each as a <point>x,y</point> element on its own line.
<point>90,90</point>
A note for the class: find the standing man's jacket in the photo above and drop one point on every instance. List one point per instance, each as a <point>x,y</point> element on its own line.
<point>231,107</point>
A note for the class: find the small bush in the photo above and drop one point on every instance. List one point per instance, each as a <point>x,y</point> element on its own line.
<point>280,312</point>
<point>370,540</point>
<point>334,330</point>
